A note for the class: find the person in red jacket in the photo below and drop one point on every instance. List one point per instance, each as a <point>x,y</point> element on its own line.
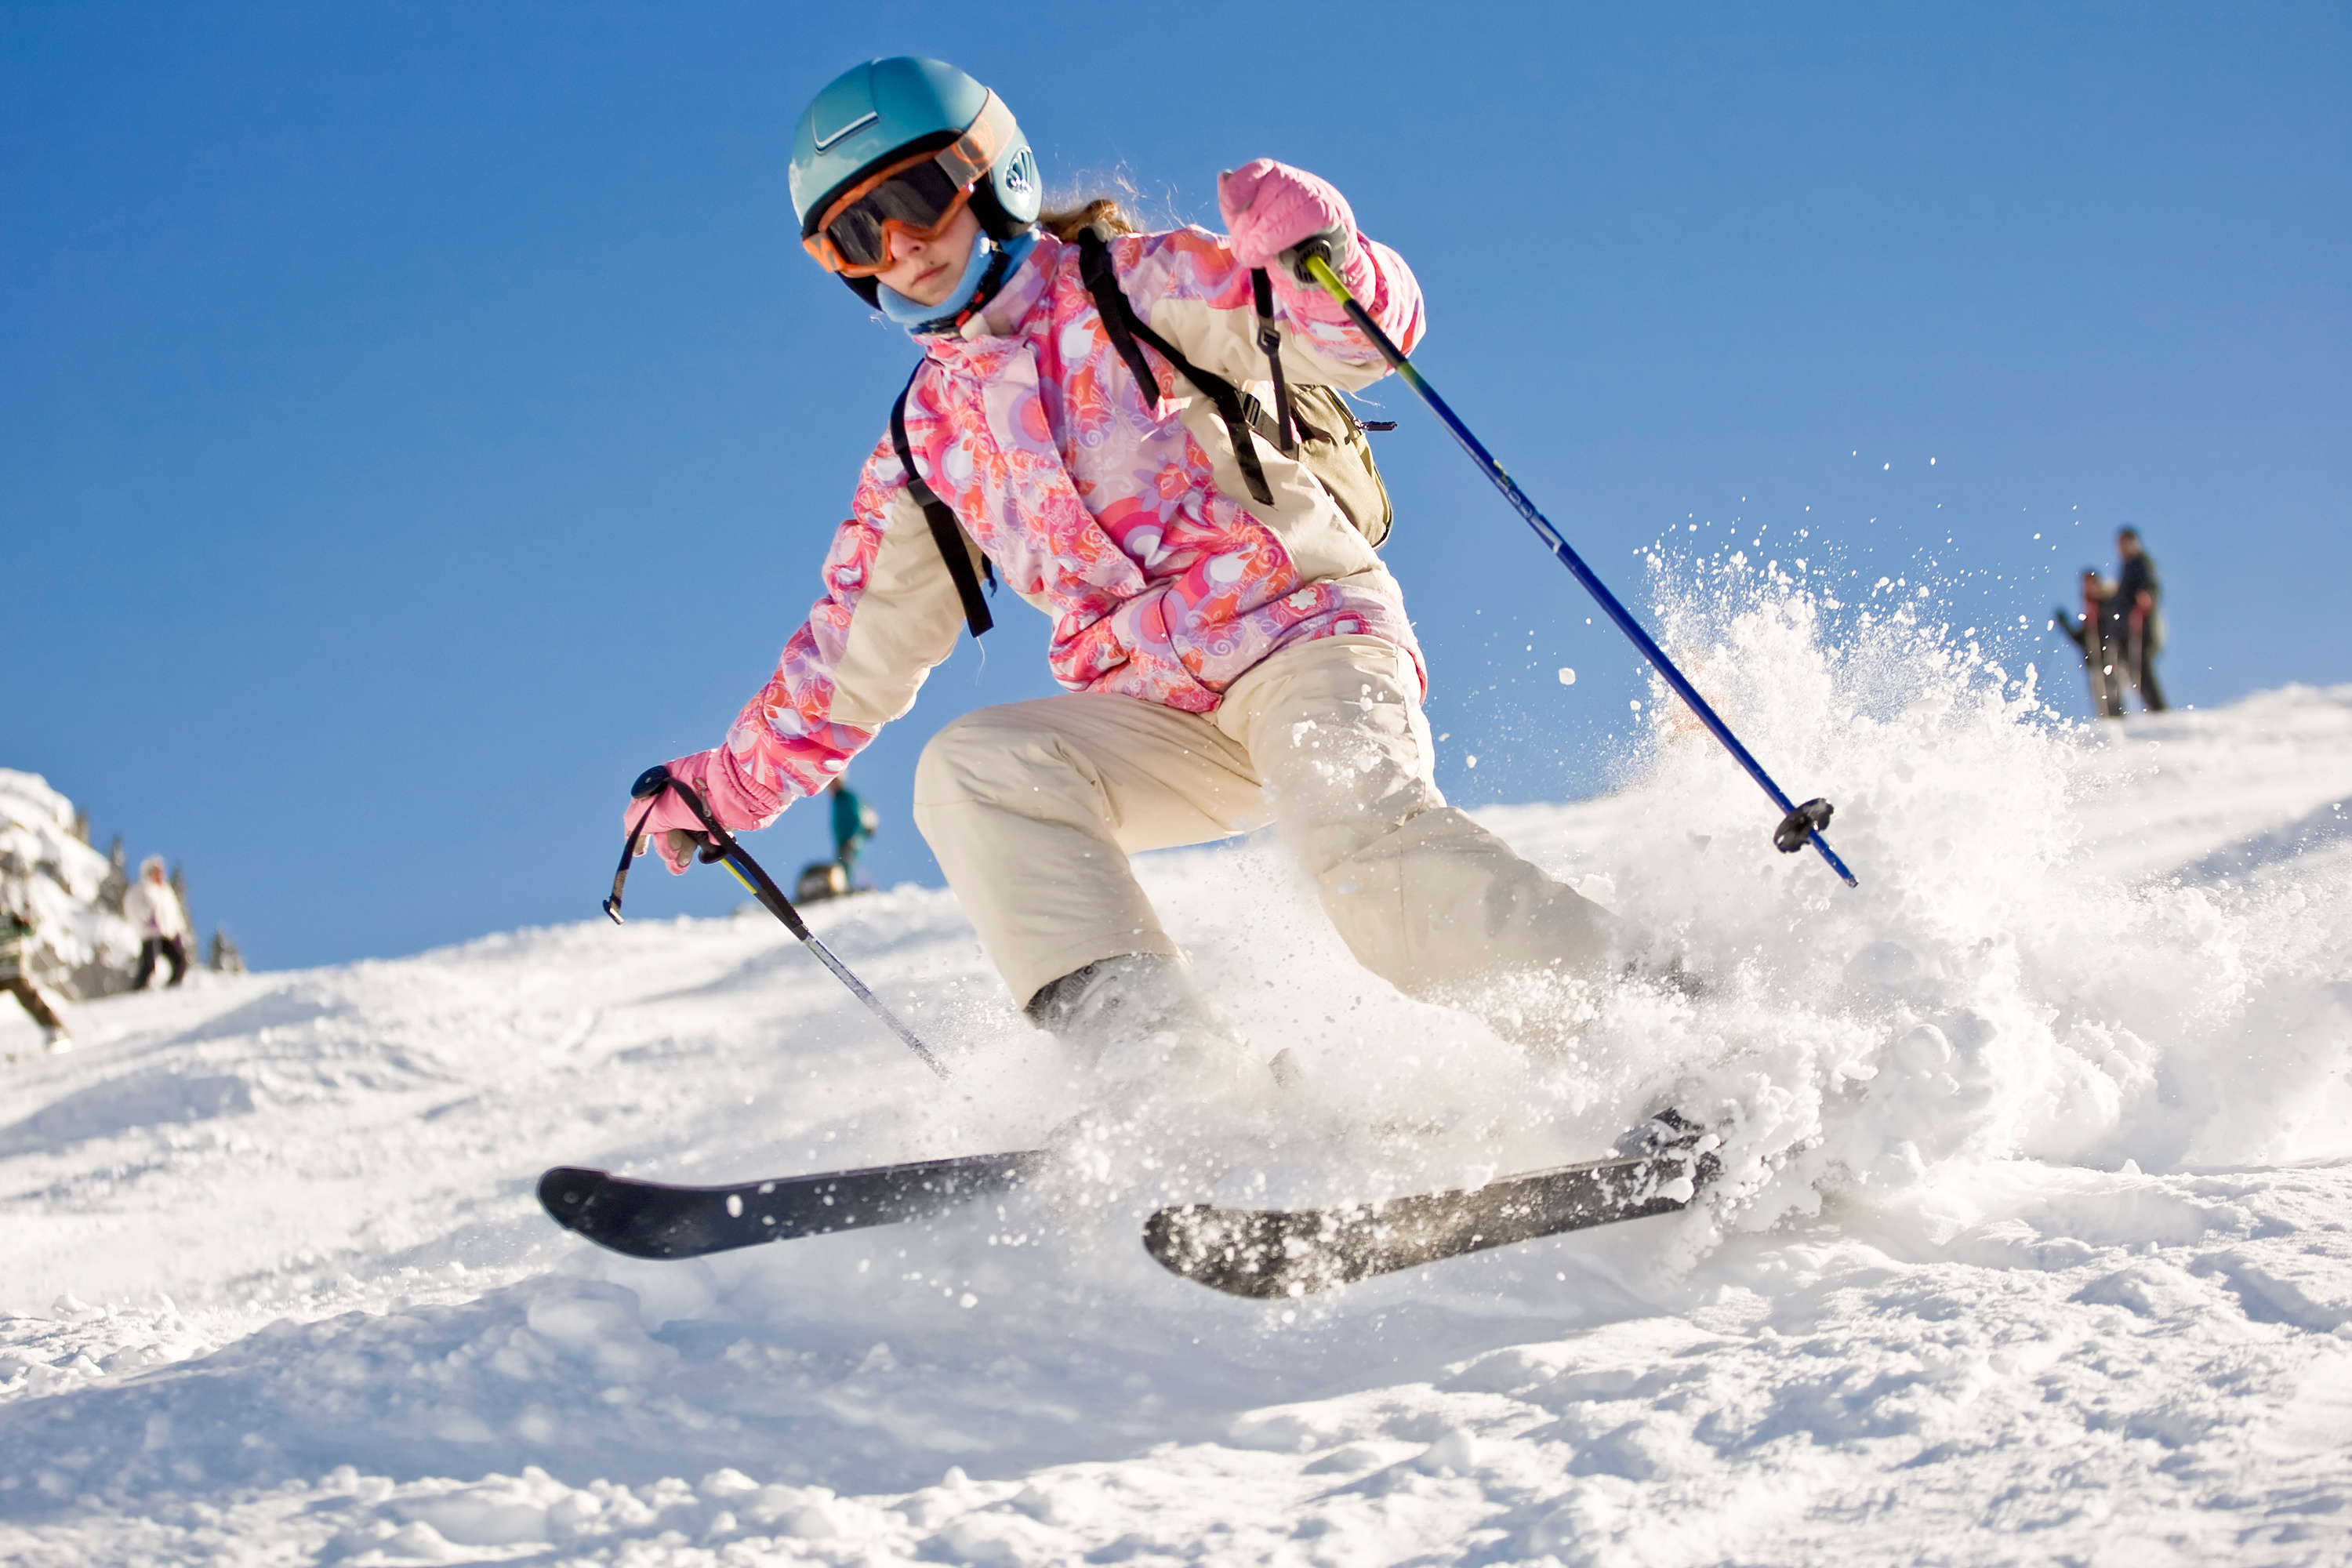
<point>2098,636</point>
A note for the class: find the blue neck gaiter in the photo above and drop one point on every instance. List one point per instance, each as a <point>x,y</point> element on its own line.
<point>918,317</point>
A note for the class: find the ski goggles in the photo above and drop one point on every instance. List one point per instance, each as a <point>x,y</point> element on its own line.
<point>918,196</point>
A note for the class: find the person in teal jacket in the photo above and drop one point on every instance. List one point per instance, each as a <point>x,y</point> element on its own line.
<point>854,823</point>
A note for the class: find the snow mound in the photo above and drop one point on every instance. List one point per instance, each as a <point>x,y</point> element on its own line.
<point>2032,1244</point>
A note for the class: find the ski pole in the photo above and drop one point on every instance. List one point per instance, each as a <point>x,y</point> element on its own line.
<point>1801,825</point>
<point>721,849</point>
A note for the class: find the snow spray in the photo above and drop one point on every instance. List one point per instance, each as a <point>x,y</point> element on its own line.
<point>1799,825</point>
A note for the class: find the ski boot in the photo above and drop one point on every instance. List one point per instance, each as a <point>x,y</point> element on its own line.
<point>1668,976</point>
<point>1669,1138</point>
<point>1150,1028</point>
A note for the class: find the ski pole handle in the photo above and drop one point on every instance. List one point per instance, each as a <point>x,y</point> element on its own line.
<point>649,788</point>
<point>1799,825</point>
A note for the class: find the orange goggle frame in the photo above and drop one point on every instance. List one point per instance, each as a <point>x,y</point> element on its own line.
<point>921,208</point>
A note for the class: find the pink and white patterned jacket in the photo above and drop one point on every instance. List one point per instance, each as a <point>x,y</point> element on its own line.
<point>1109,506</point>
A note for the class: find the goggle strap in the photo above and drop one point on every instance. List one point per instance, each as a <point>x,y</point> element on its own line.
<point>974,153</point>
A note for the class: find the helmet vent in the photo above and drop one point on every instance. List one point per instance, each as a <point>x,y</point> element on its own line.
<point>823,142</point>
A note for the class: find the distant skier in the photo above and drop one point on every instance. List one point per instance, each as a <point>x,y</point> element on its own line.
<point>2137,596</point>
<point>153,910</point>
<point>1233,651</point>
<point>2098,636</point>
<point>19,940</point>
<point>854,823</point>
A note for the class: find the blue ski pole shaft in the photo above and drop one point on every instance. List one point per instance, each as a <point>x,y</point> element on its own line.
<point>1319,268</point>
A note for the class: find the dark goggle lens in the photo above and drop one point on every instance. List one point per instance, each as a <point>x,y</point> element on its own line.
<point>916,197</point>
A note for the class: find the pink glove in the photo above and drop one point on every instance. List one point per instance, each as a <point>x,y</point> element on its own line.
<point>1270,206</point>
<point>713,775</point>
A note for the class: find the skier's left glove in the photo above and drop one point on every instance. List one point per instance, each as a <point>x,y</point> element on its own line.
<point>1270,207</point>
<point>717,778</point>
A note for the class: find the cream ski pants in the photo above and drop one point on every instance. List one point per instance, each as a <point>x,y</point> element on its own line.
<point>1033,809</point>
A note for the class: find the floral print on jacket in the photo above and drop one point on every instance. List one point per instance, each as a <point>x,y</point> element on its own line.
<point>1092,499</point>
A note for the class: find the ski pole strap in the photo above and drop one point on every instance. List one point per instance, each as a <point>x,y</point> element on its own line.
<point>722,848</point>
<point>1270,340</point>
<point>1128,332</point>
<point>628,852</point>
<point>1314,265</point>
<point>946,532</point>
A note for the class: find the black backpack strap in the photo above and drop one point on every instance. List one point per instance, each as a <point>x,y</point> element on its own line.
<point>1128,330</point>
<point>1111,303</point>
<point>1270,340</point>
<point>946,532</point>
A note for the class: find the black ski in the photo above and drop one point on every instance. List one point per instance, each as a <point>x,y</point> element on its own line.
<point>657,1219</point>
<point>1292,1252</point>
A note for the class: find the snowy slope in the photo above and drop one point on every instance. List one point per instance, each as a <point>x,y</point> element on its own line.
<point>2035,1244</point>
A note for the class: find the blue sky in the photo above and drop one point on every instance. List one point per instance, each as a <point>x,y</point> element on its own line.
<point>417,419</point>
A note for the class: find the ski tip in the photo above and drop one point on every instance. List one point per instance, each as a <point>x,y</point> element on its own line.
<point>567,1192</point>
<point>1171,1236</point>
<point>1239,1252</point>
<point>1266,1254</point>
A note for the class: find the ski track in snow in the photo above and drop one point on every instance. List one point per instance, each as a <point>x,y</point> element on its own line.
<point>2034,1244</point>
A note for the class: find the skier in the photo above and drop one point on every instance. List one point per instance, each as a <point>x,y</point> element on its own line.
<point>2097,636</point>
<point>854,823</point>
<point>1232,650</point>
<point>2143,631</point>
<point>153,910</point>
<point>19,937</point>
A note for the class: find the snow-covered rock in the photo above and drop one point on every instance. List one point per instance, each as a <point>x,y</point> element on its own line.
<point>62,880</point>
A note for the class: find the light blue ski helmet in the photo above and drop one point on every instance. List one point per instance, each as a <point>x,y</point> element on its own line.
<point>885,110</point>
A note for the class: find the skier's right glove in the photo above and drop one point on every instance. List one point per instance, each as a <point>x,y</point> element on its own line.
<point>1270,207</point>
<point>717,778</point>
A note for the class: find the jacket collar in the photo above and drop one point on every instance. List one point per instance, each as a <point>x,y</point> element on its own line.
<point>1016,298</point>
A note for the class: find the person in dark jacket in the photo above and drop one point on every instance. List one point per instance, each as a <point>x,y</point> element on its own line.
<point>20,937</point>
<point>2137,596</point>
